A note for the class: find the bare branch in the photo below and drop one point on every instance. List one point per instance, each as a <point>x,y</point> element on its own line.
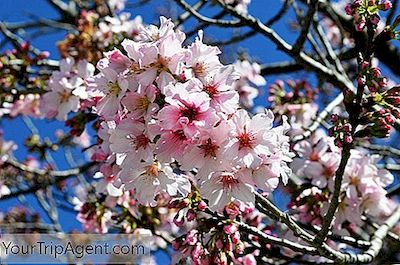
<point>207,20</point>
<point>308,19</point>
<point>56,176</point>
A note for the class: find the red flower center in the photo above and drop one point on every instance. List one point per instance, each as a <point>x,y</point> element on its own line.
<point>246,140</point>
<point>209,148</point>
<point>211,89</point>
<point>228,180</point>
<point>140,141</point>
<point>190,112</point>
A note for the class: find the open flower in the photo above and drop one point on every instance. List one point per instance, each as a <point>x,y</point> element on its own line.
<point>224,186</point>
<point>189,112</point>
<point>248,145</point>
<point>129,141</point>
<point>151,178</point>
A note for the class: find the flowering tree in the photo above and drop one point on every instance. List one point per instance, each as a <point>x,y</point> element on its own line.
<point>182,154</point>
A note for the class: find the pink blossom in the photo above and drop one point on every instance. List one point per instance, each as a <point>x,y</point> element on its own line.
<point>202,58</point>
<point>223,186</point>
<point>130,142</point>
<point>151,178</point>
<point>189,112</point>
<point>112,87</point>
<point>206,154</point>
<point>141,104</point>
<point>248,145</point>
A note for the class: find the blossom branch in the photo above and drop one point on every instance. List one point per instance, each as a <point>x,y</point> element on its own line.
<point>268,238</point>
<point>335,199</point>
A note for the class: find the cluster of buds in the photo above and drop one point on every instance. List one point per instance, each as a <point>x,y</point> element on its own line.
<point>21,215</point>
<point>80,46</point>
<point>97,34</point>
<point>187,208</point>
<point>223,247</point>
<point>379,124</point>
<point>371,77</point>
<point>308,205</point>
<point>94,216</point>
<point>14,64</point>
<point>380,110</point>
<point>300,92</point>
<point>365,12</point>
<point>341,131</point>
<point>390,99</point>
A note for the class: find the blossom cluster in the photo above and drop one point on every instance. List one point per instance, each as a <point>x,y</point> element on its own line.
<point>97,34</point>
<point>371,77</point>
<point>210,242</point>
<point>66,88</point>
<point>363,187</point>
<point>248,82</point>
<point>366,12</point>
<point>296,101</point>
<point>162,103</point>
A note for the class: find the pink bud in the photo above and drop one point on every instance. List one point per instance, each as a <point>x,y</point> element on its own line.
<point>43,55</point>
<point>361,80</point>
<point>347,127</point>
<point>390,120</point>
<point>377,72</point>
<point>191,215</point>
<point>197,252</point>
<point>191,238</point>
<point>348,9</point>
<point>230,229</point>
<point>383,82</point>
<point>219,244</point>
<point>360,26</point>
<point>375,19</point>
<point>249,260</point>
<point>178,219</point>
<point>176,244</point>
<point>338,143</point>
<point>334,117</point>
<point>387,4</point>
<point>236,237</point>
<point>364,65</point>
<point>348,139</point>
<point>202,206</point>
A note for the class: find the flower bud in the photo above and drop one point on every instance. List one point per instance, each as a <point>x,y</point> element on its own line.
<point>176,244</point>
<point>230,229</point>
<point>386,5</point>
<point>202,206</point>
<point>191,215</point>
